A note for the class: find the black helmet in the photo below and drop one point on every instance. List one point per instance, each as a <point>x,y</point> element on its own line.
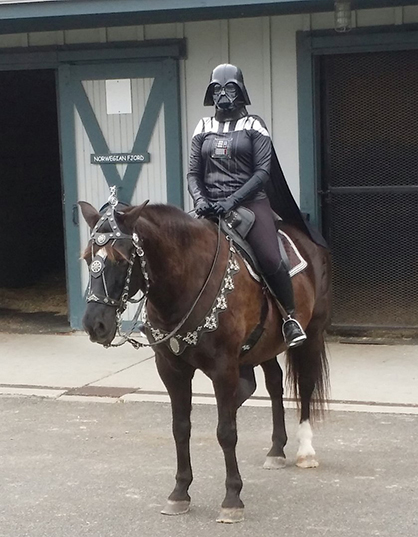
<point>222,75</point>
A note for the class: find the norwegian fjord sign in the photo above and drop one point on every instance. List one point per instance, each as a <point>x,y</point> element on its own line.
<point>120,158</point>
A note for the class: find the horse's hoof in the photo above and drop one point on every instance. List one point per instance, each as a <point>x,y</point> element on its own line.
<point>176,508</point>
<point>230,515</point>
<point>274,463</point>
<point>307,462</point>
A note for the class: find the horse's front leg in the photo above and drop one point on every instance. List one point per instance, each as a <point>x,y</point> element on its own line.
<point>226,389</point>
<point>177,378</point>
<point>273,374</point>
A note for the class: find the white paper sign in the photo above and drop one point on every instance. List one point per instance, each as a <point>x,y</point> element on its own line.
<point>118,96</point>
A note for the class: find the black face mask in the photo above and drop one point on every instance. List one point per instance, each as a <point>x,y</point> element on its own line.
<point>226,97</point>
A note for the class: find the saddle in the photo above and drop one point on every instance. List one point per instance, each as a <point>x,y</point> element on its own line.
<point>236,227</point>
<point>238,223</point>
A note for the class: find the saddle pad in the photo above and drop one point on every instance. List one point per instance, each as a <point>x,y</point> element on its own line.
<point>296,262</point>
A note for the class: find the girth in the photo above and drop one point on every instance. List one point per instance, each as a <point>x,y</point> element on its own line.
<point>255,335</point>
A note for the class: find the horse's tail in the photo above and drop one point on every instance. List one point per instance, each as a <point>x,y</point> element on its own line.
<point>308,374</point>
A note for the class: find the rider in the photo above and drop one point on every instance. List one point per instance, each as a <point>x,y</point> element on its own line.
<point>230,160</point>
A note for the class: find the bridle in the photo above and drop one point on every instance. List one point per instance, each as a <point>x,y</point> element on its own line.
<point>96,270</point>
<point>97,274</point>
<point>97,266</point>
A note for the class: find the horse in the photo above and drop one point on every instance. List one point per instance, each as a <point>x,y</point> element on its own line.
<point>202,306</point>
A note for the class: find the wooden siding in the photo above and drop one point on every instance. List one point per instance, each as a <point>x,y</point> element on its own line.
<point>265,49</point>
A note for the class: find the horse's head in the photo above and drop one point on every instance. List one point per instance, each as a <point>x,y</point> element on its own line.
<point>114,276</point>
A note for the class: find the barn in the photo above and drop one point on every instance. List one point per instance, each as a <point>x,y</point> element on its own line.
<point>97,93</point>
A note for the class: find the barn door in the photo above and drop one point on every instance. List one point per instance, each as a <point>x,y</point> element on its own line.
<point>120,126</point>
<point>370,163</point>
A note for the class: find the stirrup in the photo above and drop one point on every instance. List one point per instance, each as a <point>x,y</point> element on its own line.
<point>293,333</point>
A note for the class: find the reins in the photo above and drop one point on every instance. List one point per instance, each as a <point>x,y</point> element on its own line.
<point>139,252</point>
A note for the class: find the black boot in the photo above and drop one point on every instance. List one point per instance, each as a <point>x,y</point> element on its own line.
<point>293,333</point>
<point>281,287</point>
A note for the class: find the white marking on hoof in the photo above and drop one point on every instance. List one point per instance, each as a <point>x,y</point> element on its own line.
<point>307,462</point>
<point>230,516</point>
<point>305,457</point>
<point>176,508</point>
<point>274,463</point>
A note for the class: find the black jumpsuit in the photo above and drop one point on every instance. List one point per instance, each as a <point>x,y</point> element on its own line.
<point>224,156</point>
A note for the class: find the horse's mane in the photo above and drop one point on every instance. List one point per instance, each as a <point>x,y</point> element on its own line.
<point>171,221</point>
<point>170,213</point>
<point>163,220</point>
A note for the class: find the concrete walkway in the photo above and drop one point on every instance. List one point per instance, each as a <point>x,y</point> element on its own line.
<point>375,378</point>
<point>94,470</point>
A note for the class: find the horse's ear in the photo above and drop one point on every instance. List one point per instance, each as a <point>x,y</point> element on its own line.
<point>131,215</point>
<point>91,215</point>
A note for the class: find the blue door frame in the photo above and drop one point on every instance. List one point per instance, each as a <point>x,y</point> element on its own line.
<point>310,46</point>
<point>165,91</point>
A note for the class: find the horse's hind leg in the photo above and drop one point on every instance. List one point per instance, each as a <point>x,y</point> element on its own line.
<point>308,367</point>
<point>178,381</point>
<point>306,456</point>
<point>274,383</point>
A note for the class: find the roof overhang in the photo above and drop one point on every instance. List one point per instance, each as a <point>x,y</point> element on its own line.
<point>45,15</point>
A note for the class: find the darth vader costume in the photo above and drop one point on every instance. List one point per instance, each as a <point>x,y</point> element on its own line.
<point>233,163</point>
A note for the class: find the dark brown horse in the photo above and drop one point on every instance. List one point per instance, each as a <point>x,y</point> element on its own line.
<point>176,259</point>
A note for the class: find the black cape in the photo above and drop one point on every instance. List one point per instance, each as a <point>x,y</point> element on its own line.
<point>283,203</point>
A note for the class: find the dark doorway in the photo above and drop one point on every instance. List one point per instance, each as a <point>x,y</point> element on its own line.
<point>369,120</point>
<point>32,270</point>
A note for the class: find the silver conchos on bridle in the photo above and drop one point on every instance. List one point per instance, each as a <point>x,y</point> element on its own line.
<point>97,269</point>
<point>175,341</point>
<point>100,238</point>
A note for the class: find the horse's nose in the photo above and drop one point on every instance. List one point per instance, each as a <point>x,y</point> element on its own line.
<point>97,328</point>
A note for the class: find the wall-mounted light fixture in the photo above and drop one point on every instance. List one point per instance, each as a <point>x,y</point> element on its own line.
<point>342,15</point>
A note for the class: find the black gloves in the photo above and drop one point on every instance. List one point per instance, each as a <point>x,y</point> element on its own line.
<point>220,208</point>
<point>247,191</point>
<point>214,208</point>
<point>203,208</point>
